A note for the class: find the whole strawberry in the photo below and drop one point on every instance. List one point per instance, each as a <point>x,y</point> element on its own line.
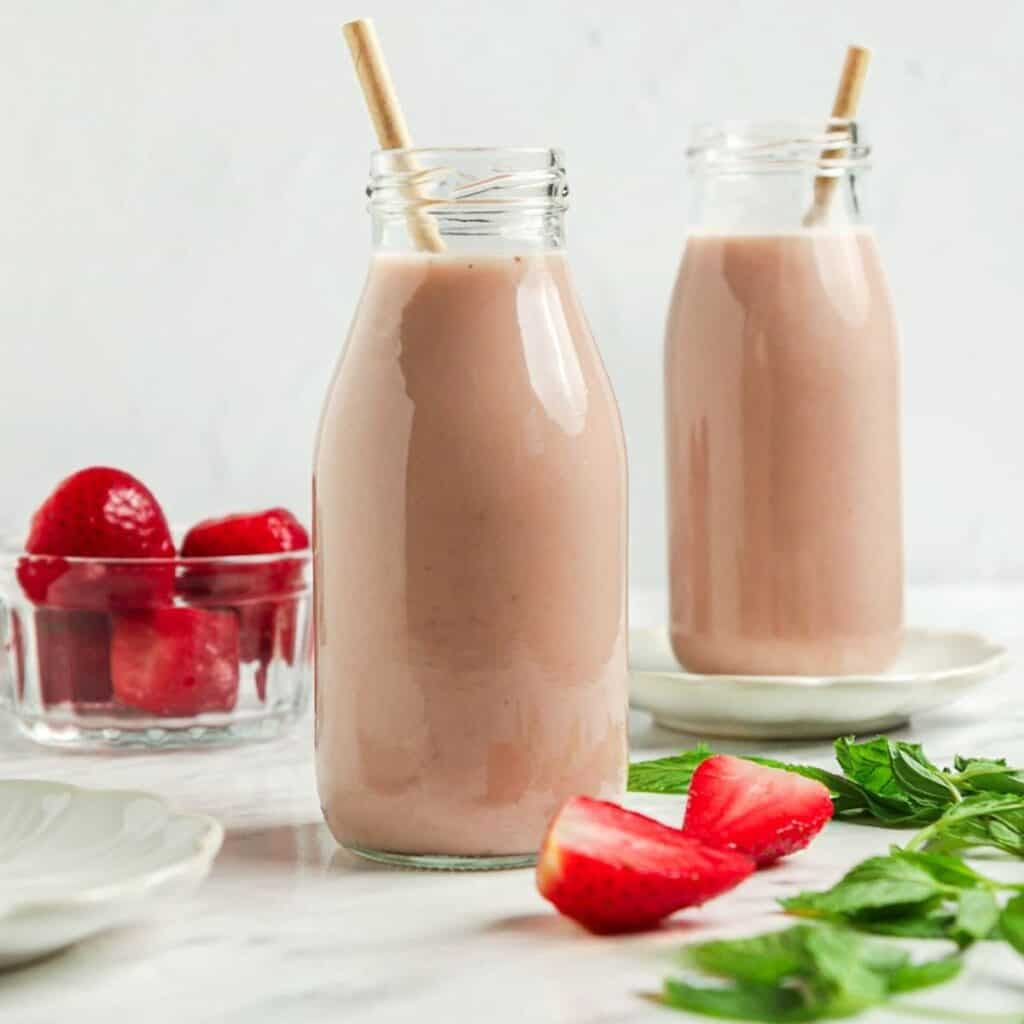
<point>249,533</point>
<point>263,595</point>
<point>98,513</point>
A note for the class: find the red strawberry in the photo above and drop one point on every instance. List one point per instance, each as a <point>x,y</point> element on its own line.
<point>258,593</point>
<point>251,533</point>
<point>175,661</point>
<point>763,812</point>
<point>74,656</point>
<point>616,871</point>
<point>98,513</point>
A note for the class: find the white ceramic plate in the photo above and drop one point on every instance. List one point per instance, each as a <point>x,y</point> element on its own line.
<point>934,668</point>
<point>76,861</point>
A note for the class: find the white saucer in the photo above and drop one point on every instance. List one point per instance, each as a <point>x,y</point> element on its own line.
<point>934,668</point>
<point>76,861</point>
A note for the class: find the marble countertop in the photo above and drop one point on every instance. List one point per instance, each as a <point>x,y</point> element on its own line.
<point>289,928</point>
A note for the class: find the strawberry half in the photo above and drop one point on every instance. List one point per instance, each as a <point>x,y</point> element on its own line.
<point>615,871</point>
<point>98,513</point>
<point>261,595</point>
<point>175,661</point>
<point>765,813</point>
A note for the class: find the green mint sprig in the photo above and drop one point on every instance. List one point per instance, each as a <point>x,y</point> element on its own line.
<point>805,973</point>
<point>913,894</point>
<point>979,802</point>
<point>831,969</point>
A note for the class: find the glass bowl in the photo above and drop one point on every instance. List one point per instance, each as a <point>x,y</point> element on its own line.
<point>174,652</point>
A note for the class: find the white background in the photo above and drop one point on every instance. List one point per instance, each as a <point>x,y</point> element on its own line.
<point>182,232</point>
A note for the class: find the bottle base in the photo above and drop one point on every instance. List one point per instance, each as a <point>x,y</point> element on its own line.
<point>446,862</point>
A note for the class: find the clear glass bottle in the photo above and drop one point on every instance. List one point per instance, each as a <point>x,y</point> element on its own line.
<point>470,525</point>
<point>783,411</point>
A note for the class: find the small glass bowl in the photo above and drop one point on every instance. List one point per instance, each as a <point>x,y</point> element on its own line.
<point>172,652</point>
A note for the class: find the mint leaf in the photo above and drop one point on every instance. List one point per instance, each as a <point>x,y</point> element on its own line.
<point>984,819</point>
<point>933,924</point>
<point>910,977</point>
<point>853,974</point>
<point>979,774</point>
<point>948,870</point>
<point>667,774</point>
<point>806,973</point>
<point>976,916</point>
<point>899,783</point>
<point>922,780</point>
<point>909,894</point>
<point>739,1002</point>
<point>890,884</point>
<point>1011,923</point>
<point>764,959</point>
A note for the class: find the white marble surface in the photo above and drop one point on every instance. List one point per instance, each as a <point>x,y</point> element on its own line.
<point>291,929</point>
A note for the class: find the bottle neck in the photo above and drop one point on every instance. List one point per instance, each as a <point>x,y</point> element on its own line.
<point>413,230</point>
<point>778,202</point>
<point>466,200</point>
<point>778,176</point>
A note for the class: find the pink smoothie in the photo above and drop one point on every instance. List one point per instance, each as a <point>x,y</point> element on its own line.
<point>470,538</point>
<point>783,396</point>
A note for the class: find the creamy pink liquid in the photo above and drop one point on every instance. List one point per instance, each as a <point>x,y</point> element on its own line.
<point>782,380</point>
<point>470,546</point>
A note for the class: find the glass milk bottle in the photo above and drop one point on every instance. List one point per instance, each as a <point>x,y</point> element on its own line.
<point>470,525</point>
<point>783,412</point>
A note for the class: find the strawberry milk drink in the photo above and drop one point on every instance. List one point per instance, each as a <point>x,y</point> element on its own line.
<point>783,415</point>
<point>470,528</point>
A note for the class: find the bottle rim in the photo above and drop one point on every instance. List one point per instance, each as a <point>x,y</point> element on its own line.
<point>831,147</point>
<point>445,151</point>
<point>483,179</point>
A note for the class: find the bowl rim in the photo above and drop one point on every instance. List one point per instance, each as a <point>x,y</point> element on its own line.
<point>13,552</point>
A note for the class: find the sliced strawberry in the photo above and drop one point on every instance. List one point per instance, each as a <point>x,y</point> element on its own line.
<point>615,871</point>
<point>98,513</point>
<point>763,812</point>
<point>260,594</point>
<point>74,656</point>
<point>175,661</point>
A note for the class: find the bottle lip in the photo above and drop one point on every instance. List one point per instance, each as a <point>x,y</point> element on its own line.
<point>428,152</point>
<point>831,146</point>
